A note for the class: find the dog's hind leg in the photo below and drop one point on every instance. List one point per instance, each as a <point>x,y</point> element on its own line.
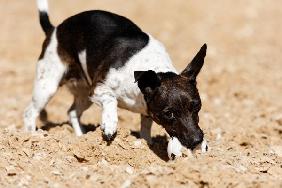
<point>146,125</point>
<point>49,73</point>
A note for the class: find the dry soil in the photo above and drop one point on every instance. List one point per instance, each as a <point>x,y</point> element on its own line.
<point>240,86</point>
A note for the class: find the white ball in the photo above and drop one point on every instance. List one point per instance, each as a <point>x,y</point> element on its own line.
<point>202,148</point>
<point>174,148</point>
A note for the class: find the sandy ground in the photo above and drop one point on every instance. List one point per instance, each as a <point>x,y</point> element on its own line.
<point>240,87</point>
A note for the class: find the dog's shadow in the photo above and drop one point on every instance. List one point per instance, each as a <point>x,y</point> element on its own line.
<point>48,125</point>
<point>158,146</point>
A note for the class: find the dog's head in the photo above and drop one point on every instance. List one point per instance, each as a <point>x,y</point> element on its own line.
<point>173,100</point>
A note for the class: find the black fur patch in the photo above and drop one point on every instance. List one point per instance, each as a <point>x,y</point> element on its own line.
<point>45,22</point>
<point>45,43</point>
<point>174,103</point>
<point>109,40</point>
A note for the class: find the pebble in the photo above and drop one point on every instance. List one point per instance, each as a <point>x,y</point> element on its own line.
<point>218,133</point>
<point>126,184</point>
<point>276,150</point>
<point>129,170</point>
<point>11,170</point>
<point>137,143</point>
<point>277,118</point>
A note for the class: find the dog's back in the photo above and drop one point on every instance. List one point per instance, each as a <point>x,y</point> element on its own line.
<point>108,41</point>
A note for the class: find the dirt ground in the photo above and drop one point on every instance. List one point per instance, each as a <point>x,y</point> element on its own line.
<point>240,86</point>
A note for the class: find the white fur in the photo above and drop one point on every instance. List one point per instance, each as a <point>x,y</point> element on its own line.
<point>74,119</point>
<point>42,5</point>
<point>50,71</point>
<point>109,115</point>
<point>82,59</point>
<point>120,82</point>
<point>120,85</point>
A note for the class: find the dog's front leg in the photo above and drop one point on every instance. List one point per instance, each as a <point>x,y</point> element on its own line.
<point>146,125</point>
<point>109,117</point>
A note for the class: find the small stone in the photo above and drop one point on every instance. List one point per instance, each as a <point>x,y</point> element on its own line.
<point>11,171</point>
<point>276,150</point>
<point>12,127</point>
<point>129,170</point>
<point>277,118</point>
<point>126,184</point>
<point>24,181</point>
<point>39,155</point>
<point>56,172</point>
<point>217,133</point>
<point>217,101</point>
<point>103,162</point>
<point>137,143</point>
<point>240,168</point>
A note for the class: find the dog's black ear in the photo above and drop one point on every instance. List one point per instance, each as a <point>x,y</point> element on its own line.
<point>193,68</point>
<point>147,81</point>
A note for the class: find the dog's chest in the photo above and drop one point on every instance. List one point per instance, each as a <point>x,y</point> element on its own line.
<point>120,83</point>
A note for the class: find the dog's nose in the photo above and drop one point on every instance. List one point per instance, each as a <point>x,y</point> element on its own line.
<point>197,139</point>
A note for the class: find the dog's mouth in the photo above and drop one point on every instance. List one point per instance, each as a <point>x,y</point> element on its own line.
<point>203,146</point>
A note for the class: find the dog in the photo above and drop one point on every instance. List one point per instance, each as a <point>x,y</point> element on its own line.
<point>106,59</point>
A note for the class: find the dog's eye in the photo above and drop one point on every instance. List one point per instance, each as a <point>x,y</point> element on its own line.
<point>168,115</point>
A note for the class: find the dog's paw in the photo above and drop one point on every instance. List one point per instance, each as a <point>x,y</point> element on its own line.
<point>109,137</point>
<point>109,132</point>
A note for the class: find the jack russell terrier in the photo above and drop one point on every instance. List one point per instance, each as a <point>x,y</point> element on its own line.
<point>106,59</point>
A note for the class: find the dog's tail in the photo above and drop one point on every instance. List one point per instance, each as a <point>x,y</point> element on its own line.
<point>45,23</point>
